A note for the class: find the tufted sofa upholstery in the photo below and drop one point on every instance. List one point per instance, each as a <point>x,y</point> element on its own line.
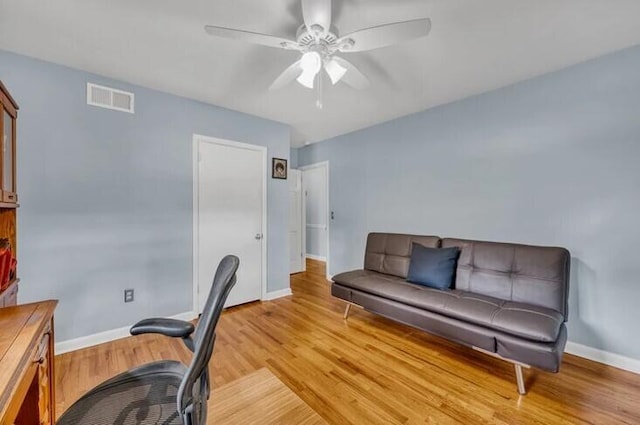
<point>508,299</point>
<point>391,253</point>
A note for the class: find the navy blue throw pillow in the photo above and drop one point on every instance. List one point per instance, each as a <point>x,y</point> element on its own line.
<point>433,267</point>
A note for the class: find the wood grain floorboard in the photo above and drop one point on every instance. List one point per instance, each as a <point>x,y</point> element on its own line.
<point>370,370</point>
<point>262,399</point>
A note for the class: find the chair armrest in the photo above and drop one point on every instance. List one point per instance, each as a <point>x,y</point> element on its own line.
<point>168,327</point>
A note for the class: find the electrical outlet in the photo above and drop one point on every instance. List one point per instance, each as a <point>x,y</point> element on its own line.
<point>128,295</point>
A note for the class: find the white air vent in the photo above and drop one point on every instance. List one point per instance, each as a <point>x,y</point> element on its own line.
<point>106,97</point>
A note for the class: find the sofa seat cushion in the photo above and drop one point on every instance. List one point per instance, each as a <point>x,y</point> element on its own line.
<point>519,319</point>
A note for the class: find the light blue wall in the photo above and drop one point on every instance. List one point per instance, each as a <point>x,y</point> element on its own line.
<point>293,158</point>
<point>106,197</point>
<point>550,161</point>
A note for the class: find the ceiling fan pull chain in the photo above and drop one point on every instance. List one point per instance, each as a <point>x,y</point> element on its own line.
<point>319,104</point>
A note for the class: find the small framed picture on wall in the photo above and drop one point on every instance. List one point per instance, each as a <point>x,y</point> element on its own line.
<point>279,168</point>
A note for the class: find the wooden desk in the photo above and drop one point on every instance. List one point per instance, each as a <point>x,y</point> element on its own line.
<point>26,364</point>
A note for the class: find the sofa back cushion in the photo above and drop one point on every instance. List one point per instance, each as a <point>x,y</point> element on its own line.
<point>390,253</point>
<point>523,273</point>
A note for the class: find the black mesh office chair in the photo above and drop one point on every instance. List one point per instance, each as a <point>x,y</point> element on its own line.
<point>164,392</point>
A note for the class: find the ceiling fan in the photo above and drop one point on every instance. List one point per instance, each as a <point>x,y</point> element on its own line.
<point>319,42</point>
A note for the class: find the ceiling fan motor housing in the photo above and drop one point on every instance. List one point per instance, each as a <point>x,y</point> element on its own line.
<point>327,39</point>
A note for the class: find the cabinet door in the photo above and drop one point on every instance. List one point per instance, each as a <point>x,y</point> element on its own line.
<point>44,382</point>
<point>8,157</point>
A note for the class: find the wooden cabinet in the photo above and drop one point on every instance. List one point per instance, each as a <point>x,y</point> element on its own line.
<point>27,365</point>
<point>8,188</point>
<point>8,130</point>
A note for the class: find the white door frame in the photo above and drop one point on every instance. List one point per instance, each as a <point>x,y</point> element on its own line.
<point>328,212</point>
<point>303,224</point>
<point>197,138</point>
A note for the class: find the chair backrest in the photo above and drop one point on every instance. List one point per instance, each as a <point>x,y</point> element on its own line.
<point>194,389</point>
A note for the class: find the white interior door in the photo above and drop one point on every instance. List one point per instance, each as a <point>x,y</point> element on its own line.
<point>296,254</point>
<point>230,216</point>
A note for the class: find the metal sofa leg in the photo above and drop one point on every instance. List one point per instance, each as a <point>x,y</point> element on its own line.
<point>346,312</point>
<point>518,366</point>
<point>520,379</point>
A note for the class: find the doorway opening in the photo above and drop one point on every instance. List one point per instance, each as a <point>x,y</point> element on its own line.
<point>317,215</point>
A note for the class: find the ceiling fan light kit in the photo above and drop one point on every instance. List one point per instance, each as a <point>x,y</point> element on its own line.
<point>320,43</point>
<point>335,71</point>
<point>311,64</point>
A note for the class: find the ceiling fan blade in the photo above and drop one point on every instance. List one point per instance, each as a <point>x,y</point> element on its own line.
<point>287,76</point>
<point>317,12</point>
<point>353,77</point>
<point>252,37</point>
<point>384,35</point>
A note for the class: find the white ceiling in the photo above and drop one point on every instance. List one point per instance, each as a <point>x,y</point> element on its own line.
<point>474,46</point>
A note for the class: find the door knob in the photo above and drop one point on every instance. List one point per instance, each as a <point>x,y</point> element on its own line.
<point>258,236</point>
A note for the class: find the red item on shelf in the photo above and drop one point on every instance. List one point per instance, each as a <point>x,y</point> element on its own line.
<point>12,271</point>
<point>7,263</point>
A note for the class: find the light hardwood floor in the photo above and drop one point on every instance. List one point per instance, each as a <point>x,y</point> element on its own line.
<point>370,370</point>
<point>259,398</point>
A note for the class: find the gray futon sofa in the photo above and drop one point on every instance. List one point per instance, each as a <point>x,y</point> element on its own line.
<point>508,300</point>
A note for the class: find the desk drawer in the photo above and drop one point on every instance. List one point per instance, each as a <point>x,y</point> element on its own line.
<point>44,360</point>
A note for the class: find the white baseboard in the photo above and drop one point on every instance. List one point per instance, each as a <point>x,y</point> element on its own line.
<point>601,356</point>
<point>316,257</point>
<point>107,336</point>
<point>277,294</point>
